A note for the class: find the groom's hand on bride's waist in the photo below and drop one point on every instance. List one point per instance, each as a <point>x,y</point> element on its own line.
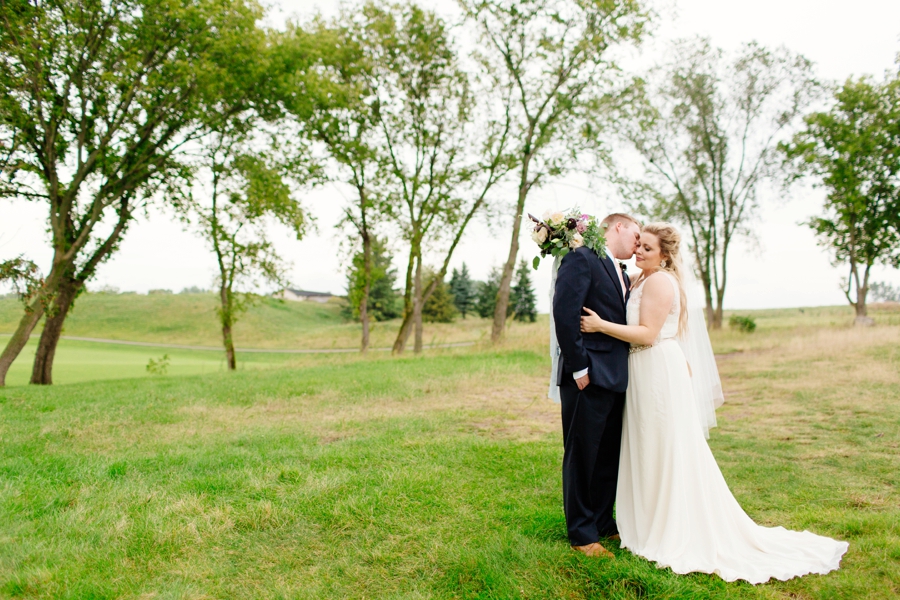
<point>583,382</point>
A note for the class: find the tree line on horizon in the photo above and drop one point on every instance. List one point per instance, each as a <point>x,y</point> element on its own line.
<point>193,106</point>
<point>460,297</point>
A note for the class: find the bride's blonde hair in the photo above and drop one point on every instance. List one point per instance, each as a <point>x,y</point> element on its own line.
<point>670,250</point>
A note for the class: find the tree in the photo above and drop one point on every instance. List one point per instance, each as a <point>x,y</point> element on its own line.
<point>335,100</point>
<point>423,113</point>
<point>853,151</point>
<point>394,110</point>
<point>439,307</point>
<point>523,302</point>
<point>707,130</point>
<point>462,289</point>
<point>884,292</point>
<point>552,55</point>
<point>97,101</point>
<point>247,189</point>
<point>382,300</point>
<point>246,166</point>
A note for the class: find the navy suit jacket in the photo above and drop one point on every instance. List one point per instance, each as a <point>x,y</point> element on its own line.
<point>584,279</point>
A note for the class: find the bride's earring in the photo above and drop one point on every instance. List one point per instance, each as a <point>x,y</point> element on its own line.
<point>662,265</point>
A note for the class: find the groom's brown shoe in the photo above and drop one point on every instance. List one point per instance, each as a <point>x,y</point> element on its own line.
<point>594,550</point>
<point>615,537</point>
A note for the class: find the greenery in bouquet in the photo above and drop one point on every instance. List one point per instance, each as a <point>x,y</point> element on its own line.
<point>557,233</point>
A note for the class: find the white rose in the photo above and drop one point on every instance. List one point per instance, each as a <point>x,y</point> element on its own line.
<point>577,241</point>
<point>546,216</point>
<point>539,236</point>
<point>556,219</point>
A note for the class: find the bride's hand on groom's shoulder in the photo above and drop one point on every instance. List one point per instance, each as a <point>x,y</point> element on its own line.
<point>591,323</point>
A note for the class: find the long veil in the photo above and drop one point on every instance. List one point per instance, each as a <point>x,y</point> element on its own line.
<point>698,351</point>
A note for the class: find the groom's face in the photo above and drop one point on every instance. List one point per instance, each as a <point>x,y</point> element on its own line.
<point>627,239</point>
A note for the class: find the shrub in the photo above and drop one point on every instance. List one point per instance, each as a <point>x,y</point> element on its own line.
<point>744,324</point>
<point>884,292</point>
<point>159,366</point>
<point>439,308</point>
<point>193,290</point>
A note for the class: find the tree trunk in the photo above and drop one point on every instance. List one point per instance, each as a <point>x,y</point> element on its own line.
<point>710,313</point>
<point>42,373</point>
<point>720,289</point>
<point>27,323</point>
<point>417,319</point>
<point>367,269</point>
<point>703,270</point>
<point>506,279</point>
<point>862,292</point>
<point>229,347</point>
<point>717,319</point>
<point>364,317</point>
<point>409,299</point>
<point>710,305</point>
<point>414,318</point>
<point>862,319</point>
<point>403,334</point>
<point>713,306</point>
<point>227,322</point>
<point>364,301</point>
<point>418,301</point>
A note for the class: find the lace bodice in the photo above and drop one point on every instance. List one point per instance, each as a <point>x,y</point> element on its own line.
<point>633,310</point>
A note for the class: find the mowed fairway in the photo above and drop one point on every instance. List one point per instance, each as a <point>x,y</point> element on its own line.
<point>78,361</point>
<point>425,477</point>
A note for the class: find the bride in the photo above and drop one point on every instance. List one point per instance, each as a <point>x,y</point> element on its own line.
<point>673,505</point>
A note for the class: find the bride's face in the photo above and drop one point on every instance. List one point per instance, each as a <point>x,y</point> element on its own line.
<point>648,255</point>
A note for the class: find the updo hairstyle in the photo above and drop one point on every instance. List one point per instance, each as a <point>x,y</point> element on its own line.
<point>670,251</point>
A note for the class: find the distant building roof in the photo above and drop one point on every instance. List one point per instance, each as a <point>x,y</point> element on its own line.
<point>308,294</point>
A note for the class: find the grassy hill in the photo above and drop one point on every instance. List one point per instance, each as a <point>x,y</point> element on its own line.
<point>188,319</point>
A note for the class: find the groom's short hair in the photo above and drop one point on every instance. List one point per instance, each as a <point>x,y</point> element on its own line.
<point>619,218</point>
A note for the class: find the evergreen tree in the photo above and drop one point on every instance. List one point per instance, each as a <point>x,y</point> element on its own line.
<point>463,289</point>
<point>384,302</point>
<point>486,300</point>
<point>439,308</point>
<point>523,302</point>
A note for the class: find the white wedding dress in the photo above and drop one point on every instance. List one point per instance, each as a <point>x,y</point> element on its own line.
<point>673,506</point>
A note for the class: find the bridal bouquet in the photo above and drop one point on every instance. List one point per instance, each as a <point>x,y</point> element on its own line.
<point>556,233</point>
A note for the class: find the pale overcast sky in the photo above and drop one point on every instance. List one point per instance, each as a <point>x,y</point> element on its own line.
<point>785,269</point>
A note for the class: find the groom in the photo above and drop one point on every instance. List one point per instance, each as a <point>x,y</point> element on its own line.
<point>593,375</point>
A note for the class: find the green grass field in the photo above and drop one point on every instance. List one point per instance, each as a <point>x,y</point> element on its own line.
<point>339,476</point>
<point>190,320</point>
